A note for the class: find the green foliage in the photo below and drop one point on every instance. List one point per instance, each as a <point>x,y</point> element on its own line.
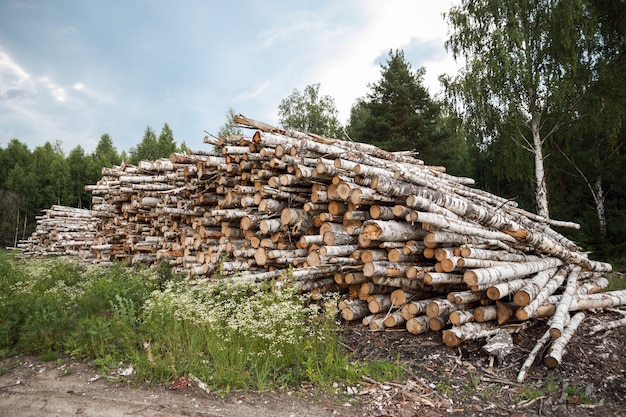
<point>527,66</point>
<point>229,128</point>
<point>105,154</point>
<point>617,282</point>
<point>236,336</point>
<point>166,145</point>
<point>146,149</point>
<point>399,115</point>
<point>152,147</point>
<point>57,306</point>
<point>229,334</point>
<point>307,111</point>
<point>31,181</point>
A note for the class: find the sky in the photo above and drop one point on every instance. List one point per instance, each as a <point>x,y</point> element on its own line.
<point>72,70</point>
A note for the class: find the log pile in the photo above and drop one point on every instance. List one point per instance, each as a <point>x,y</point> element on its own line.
<point>62,231</point>
<point>406,243</point>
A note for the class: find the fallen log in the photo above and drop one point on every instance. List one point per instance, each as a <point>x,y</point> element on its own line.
<point>554,357</point>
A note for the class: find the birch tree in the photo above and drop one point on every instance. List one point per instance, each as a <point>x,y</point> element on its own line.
<point>522,60</point>
<point>309,111</point>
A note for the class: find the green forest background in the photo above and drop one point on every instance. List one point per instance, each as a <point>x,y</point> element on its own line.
<point>571,92</point>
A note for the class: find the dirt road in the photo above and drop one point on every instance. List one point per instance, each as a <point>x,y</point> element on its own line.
<point>30,388</point>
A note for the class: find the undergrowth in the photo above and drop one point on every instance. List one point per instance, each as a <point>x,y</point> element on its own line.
<point>231,335</point>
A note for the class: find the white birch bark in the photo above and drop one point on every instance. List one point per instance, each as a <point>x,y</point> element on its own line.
<point>503,289</point>
<point>508,271</point>
<point>469,331</point>
<point>418,324</point>
<point>529,310</point>
<point>460,317</point>
<point>541,189</point>
<point>557,349</point>
<point>562,309</point>
<point>529,291</point>
<point>462,227</point>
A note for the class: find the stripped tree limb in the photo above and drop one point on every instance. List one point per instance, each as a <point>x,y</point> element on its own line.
<point>541,344</point>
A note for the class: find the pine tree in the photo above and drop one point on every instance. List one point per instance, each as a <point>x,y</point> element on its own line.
<point>398,114</point>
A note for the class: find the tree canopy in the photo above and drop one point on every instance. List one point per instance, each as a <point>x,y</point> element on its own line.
<point>308,111</point>
<point>527,63</point>
<point>398,114</point>
<point>229,128</point>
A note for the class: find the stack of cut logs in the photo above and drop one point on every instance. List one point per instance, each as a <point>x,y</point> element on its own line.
<point>406,243</point>
<point>62,231</point>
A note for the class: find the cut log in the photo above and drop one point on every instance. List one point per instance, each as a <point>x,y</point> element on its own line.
<point>529,291</point>
<point>344,250</point>
<point>529,310</point>
<point>385,269</point>
<point>395,319</point>
<point>391,231</point>
<point>439,307</point>
<point>508,271</point>
<point>554,357</point>
<point>415,308</point>
<point>418,324</point>
<point>485,313</point>
<point>562,309</point>
<point>464,297</point>
<point>469,331</point>
<point>400,297</point>
<point>378,303</point>
<point>439,278</point>
<point>438,323</point>
<point>433,239</point>
<point>506,288</point>
<point>460,317</point>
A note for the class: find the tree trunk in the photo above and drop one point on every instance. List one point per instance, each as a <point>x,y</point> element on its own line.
<point>469,331</point>
<point>599,197</point>
<point>541,189</point>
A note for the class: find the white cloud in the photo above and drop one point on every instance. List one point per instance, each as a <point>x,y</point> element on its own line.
<point>55,90</point>
<point>350,61</point>
<point>250,92</point>
<point>301,27</point>
<point>13,78</point>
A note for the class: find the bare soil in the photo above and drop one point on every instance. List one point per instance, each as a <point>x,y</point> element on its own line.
<point>439,381</point>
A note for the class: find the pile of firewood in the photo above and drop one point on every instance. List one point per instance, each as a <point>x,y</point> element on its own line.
<point>62,231</point>
<point>407,244</point>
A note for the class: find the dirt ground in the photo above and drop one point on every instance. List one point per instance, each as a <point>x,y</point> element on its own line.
<point>439,381</point>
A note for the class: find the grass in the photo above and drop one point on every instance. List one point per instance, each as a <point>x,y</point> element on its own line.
<point>231,335</point>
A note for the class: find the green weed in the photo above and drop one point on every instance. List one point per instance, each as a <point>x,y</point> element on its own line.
<point>229,334</point>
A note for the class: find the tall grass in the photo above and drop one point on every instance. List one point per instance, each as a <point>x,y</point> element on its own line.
<point>232,335</point>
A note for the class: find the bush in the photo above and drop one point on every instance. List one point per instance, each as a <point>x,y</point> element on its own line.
<point>230,334</point>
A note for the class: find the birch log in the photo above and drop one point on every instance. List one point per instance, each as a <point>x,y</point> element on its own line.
<point>554,357</point>
<point>508,271</point>
<point>562,309</point>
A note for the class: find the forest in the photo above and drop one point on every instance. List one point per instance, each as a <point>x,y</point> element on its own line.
<point>537,115</point>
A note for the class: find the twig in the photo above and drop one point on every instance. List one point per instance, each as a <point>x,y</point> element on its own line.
<point>607,326</point>
<point>204,387</point>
